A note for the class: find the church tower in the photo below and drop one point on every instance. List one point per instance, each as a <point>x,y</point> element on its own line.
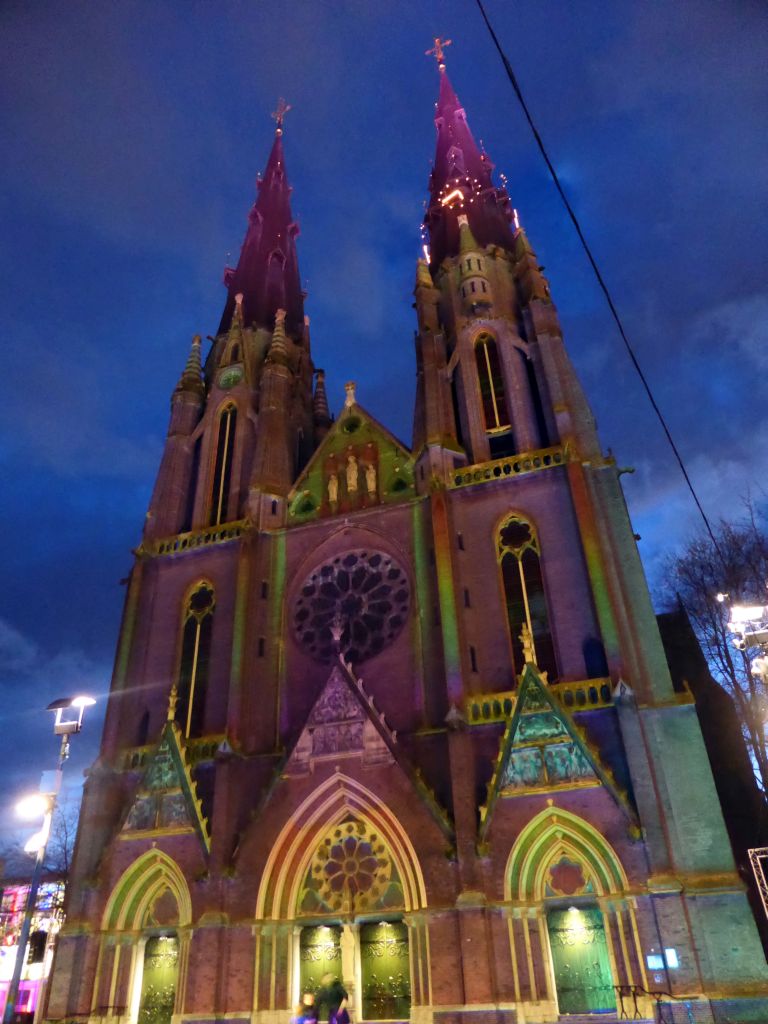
<point>400,714</point>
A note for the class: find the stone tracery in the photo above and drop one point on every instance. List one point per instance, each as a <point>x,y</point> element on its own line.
<point>365,593</point>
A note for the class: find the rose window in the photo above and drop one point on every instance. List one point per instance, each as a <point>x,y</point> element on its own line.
<point>362,594</point>
<point>352,868</point>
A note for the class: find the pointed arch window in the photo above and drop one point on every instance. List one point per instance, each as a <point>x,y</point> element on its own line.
<point>195,659</point>
<point>222,470</point>
<point>491,384</point>
<point>525,598</point>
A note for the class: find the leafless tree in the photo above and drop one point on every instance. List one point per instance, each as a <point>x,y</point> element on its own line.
<point>737,567</point>
<point>58,855</point>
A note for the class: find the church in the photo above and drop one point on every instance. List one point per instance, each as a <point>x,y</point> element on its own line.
<point>398,712</point>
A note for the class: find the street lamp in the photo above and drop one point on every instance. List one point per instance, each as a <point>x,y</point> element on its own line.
<point>69,720</point>
<point>749,626</point>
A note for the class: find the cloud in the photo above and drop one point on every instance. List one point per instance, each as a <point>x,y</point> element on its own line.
<point>662,508</point>
<point>738,327</point>
<point>17,653</point>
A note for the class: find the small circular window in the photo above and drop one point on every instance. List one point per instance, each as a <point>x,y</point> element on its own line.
<point>363,593</point>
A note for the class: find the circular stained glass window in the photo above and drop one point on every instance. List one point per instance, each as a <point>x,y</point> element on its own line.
<point>365,594</point>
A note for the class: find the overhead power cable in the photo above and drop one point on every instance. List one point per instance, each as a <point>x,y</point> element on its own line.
<point>598,275</point>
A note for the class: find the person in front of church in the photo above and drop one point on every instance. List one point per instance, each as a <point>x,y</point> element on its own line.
<point>306,1011</point>
<point>332,998</point>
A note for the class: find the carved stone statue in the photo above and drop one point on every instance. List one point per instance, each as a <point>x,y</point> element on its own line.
<point>529,654</point>
<point>370,479</point>
<point>352,472</point>
<point>333,488</point>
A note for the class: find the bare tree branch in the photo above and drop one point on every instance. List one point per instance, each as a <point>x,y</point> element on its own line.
<point>695,577</point>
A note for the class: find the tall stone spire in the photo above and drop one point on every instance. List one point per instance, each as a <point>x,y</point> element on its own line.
<point>267,272</point>
<point>461,183</point>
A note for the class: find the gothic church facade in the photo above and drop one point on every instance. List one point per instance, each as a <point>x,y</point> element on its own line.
<point>400,713</point>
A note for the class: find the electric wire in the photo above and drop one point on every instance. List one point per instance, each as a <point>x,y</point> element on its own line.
<point>598,275</point>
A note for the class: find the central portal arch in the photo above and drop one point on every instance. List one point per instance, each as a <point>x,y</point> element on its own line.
<point>340,893</point>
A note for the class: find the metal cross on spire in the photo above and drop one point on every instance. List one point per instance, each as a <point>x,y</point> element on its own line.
<point>438,50</point>
<point>279,114</point>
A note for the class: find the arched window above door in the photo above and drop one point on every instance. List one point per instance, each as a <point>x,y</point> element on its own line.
<point>524,595</point>
<point>195,659</point>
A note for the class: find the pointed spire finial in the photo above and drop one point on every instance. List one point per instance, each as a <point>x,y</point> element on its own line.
<point>438,51</point>
<point>350,400</point>
<point>279,113</point>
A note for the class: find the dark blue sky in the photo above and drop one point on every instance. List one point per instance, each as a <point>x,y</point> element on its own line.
<point>131,135</point>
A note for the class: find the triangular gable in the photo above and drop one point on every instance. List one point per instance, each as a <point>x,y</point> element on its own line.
<point>543,750</point>
<point>344,722</point>
<point>382,471</point>
<point>166,800</point>
<point>338,726</point>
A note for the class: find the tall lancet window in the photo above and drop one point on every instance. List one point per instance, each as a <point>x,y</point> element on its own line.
<point>195,659</point>
<point>491,384</point>
<point>222,470</point>
<point>526,601</point>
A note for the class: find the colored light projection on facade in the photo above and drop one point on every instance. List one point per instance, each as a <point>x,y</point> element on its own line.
<point>352,869</point>
<point>46,922</point>
<point>158,987</point>
<point>580,960</point>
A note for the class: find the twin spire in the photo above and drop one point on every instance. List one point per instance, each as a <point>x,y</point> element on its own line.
<point>461,184</point>
<point>267,272</point>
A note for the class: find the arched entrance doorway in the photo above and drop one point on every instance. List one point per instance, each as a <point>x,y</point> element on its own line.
<point>351,889</point>
<point>352,874</point>
<point>147,918</point>
<point>572,891</point>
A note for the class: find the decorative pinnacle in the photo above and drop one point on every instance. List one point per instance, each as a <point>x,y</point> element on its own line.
<point>423,276</point>
<point>320,403</point>
<point>278,115</point>
<point>172,700</point>
<point>278,350</point>
<point>438,51</point>
<point>350,400</point>
<point>467,241</point>
<point>191,377</point>
<point>237,314</point>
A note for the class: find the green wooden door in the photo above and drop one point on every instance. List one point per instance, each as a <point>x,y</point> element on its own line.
<point>158,982</point>
<point>386,971</point>
<point>580,960</point>
<point>319,954</point>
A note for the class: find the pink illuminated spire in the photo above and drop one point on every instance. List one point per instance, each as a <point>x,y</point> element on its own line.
<point>267,272</point>
<point>461,181</point>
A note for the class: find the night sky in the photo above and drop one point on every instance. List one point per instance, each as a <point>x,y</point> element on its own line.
<point>131,134</point>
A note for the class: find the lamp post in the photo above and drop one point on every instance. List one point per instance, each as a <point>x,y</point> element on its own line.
<point>69,720</point>
<point>748,626</point>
